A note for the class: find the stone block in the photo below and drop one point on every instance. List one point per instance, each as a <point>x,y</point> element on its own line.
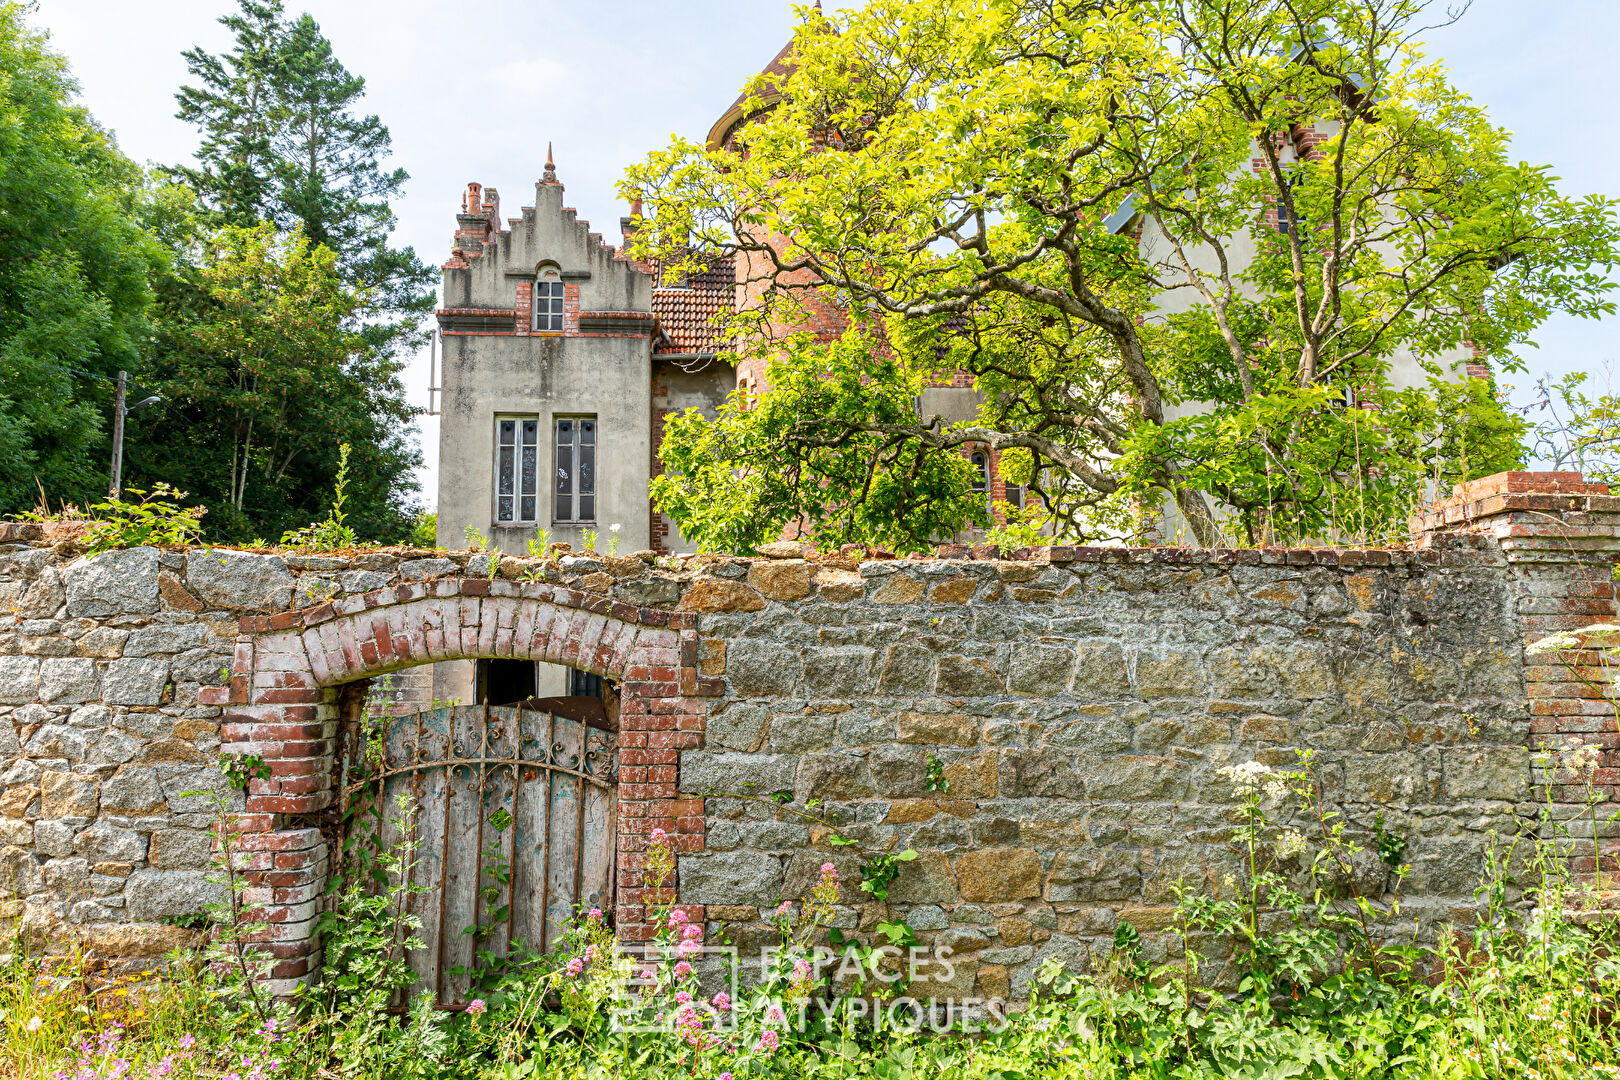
<point>1174,673</point>
<point>967,677</point>
<point>898,770</point>
<point>134,682</point>
<point>802,733</point>
<point>731,877</point>
<point>1490,772</point>
<point>997,875</point>
<point>736,773</point>
<point>152,640</point>
<point>1040,670</point>
<point>103,643</point>
<point>845,671</point>
<point>1039,771</point>
<point>907,669</point>
<point>781,579</point>
<point>927,879</point>
<point>898,589</point>
<point>19,873</point>
<point>200,791</point>
<point>239,580</point>
<point>175,596</point>
<point>711,594</point>
<point>53,838</point>
<point>836,777</point>
<point>181,849</point>
<point>973,777</point>
<point>1093,875</point>
<point>956,590</point>
<point>19,679</point>
<point>740,727</point>
<point>1138,778</point>
<point>152,895</point>
<point>43,597</point>
<point>132,791</point>
<point>107,843</point>
<point>763,668</point>
<point>938,729</point>
<point>839,586</point>
<point>64,681</point>
<point>68,796</point>
<point>57,741</point>
<point>1100,671</point>
<point>121,582</point>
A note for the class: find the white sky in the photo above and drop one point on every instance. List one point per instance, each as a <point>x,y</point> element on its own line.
<point>474,91</point>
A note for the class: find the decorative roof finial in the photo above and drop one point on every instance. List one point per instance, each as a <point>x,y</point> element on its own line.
<point>550,175</point>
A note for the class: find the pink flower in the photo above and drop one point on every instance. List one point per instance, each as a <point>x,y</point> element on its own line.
<point>784,908</point>
<point>801,968</point>
<point>187,1042</point>
<point>829,870</point>
<point>775,1015</point>
<point>676,919</point>
<point>682,970</point>
<point>721,1002</point>
<point>724,1076</point>
<point>575,966</point>
<point>683,998</point>
<point>594,915</point>
<point>591,954</point>
<point>688,948</point>
<point>658,835</point>
<point>476,1007</point>
<point>767,1042</point>
<point>693,932</point>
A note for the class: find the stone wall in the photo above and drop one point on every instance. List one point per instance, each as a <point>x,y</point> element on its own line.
<point>1080,704</point>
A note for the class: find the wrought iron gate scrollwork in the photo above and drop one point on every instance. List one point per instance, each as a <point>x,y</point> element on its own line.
<point>492,787</point>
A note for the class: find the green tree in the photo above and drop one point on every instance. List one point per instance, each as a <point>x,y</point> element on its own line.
<point>269,374</point>
<point>1183,246</point>
<point>74,268</point>
<point>283,141</point>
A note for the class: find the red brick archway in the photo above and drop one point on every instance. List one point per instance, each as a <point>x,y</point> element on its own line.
<point>282,704</point>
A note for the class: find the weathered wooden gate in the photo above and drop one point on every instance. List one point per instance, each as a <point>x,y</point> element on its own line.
<point>510,812</point>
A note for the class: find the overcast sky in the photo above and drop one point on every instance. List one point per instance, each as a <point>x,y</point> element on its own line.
<point>474,91</point>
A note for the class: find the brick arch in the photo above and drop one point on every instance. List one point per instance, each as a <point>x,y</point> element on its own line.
<point>283,701</point>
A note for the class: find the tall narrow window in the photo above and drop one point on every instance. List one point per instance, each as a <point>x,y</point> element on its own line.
<point>548,301</point>
<point>576,469</point>
<point>981,476</point>
<point>517,470</point>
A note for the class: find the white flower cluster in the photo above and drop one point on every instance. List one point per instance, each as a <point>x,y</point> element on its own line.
<point>1596,636</point>
<point>1252,777</point>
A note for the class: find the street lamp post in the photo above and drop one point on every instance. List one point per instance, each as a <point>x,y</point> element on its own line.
<point>120,410</point>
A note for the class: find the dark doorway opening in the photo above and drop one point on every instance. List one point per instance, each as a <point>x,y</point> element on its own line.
<point>504,682</point>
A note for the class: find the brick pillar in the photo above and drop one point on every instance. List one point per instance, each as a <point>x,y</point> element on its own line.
<point>661,713</point>
<point>1560,537</point>
<point>275,710</point>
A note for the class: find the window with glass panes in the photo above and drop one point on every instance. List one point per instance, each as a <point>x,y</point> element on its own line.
<point>576,469</point>
<point>981,475</point>
<point>548,306</point>
<point>517,470</point>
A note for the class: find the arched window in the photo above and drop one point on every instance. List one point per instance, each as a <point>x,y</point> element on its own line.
<point>548,300</point>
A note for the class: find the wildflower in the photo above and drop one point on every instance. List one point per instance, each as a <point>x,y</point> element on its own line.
<point>1553,643</point>
<point>658,836</point>
<point>682,970</point>
<point>594,915</point>
<point>1251,777</point>
<point>476,1007</point>
<point>591,953</point>
<point>692,932</point>
<point>682,997</point>
<point>35,1024</point>
<point>187,1042</point>
<point>775,1015</point>
<point>828,870</point>
<point>688,948</point>
<point>721,1002</point>
<point>801,968</point>
<point>767,1042</point>
<point>575,966</point>
<point>724,1076</point>
<point>676,919</point>
<point>1588,757</point>
<point>1290,843</point>
<point>269,1030</point>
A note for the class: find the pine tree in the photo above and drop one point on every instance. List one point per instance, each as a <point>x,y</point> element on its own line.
<point>237,111</point>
